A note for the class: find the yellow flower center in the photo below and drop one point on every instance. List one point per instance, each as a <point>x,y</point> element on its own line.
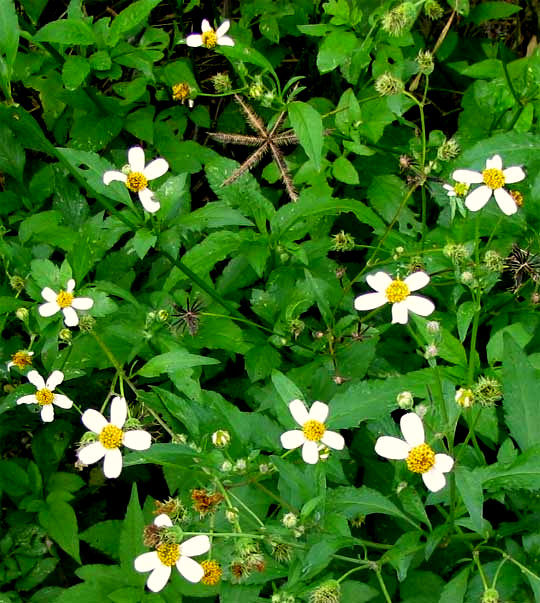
<point>111,437</point>
<point>421,459</point>
<point>517,197</point>
<point>136,182</point>
<point>64,299</point>
<point>493,178</point>
<point>461,188</point>
<point>44,396</point>
<point>212,572</point>
<point>181,91</point>
<point>313,430</point>
<point>168,553</point>
<point>21,359</point>
<point>397,291</point>
<point>209,39</point>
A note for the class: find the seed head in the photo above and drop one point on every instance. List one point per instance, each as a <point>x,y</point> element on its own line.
<point>433,9</point>
<point>388,84</point>
<point>343,241</point>
<point>494,261</point>
<point>328,592</point>
<point>222,83</point>
<point>425,62</point>
<point>487,391</point>
<point>16,283</point>
<point>448,150</point>
<point>397,21</point>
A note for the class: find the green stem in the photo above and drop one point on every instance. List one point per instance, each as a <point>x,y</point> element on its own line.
<point>382,584</point>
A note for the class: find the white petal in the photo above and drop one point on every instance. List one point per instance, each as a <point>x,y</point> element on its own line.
<point>225,41</point>
<point>31,399</point>
<point>310,452</point>
<point>198,545</point>
<point>420,305</point>
<point>49,295</point>
<point>468,176</point>
<point>223,28</point>
<point>392,448</point>
<point>379,281</point>
<point>94,420</point>
<point>70,287</point>
<point>205,26</point>
<point>156,168</point>
<point>70,317</point>
<point>194,40</point>
<point>163,520</point>
<point>47,413</point>
<point>478,198</point>
<point>334,440</point>
<point>136,159</point>
<point>146,197</point>
<point>48,309</point>
<point>369,301</point>
<point>92,453</point>
<point>158,578</point>
<point>494,163</point>
<point>82,303</point>
<point>434,480</point>
<point>36,379</point>
<point>298,411</point>
<point>400,314</point>
<point>448,187</point>
<point>62,401</point>
<point>190,569</point>
<point>112,466</point>
<point>137,439</point>
<point>417,280</point>
<point>54,380</point>
<point>147,561</point>
<point>443,463</point>
<point>292,439</point>
<point>505,201</point>
<point>412,429</point>
<point>513,174</point>
<point>113,175</point>
<point>318,412</point>
<point>118,411</point>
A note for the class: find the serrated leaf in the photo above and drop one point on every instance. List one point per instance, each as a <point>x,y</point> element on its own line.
<point>74,71</point>
<point>335,50</point>
<point>520,403</point>
<point>307,125</point>
<point>143,241</point>
<point>523,473</point>
<point>131,17</point>
<point>464,316</point>
<point>103,536</point>
<point>286,389</point>
<point>261,361</point>
<point>130,541</point>
<point>69,32</point>
<point>171,362</point>
<point>58,518</point>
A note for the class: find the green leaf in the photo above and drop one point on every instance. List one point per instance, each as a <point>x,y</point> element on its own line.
<point>69,32</point>
<point>470,488</point>
<point>335,50</point>
<point>130,18</point>
<point>131,543</point>
<point>74,71</point>
<point>520,386</point>
<point>352,502</point>
<point>307,125</point>
<point>103,536</point>
<point>143,241</point>
<point>520,332</point>
<point>286,389</point>
<point>464,316</point>
<point>260,362</point>
<point>169,455</point>
<point>454,591</point>
<point>524,473</point>
<point>171,362</point>
<point>12,157</point>
<point>9,42</point>
<point>13,479</point>
<point>344,171</point>
<point>486,11</point>
<point>58,518</point>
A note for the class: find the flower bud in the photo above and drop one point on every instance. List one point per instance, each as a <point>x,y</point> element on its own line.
<point>433,326</point>
<point>343,241</point>
<point>65,335</point>
<point>405,400</point>
<point>16,283</point>
<point>491,595</point>
<point>222,82</point>
<point>221,438</point>
<point>289,520</point>
<point>22,314</point>
<point>464,397</point>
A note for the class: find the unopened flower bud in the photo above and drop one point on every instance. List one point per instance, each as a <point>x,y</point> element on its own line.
<point>221,438</point>
<point>289,520</point>
<point>433,326</point>
<point>226,466</point>
<point>87,323</point>
<point>465,397</point>
<point>21,314</point>
<point>163,315</point>
<point>491,595</point>
<point>231,515</point>
<point>240,466</point>
<point>65,335</point>
<point>405,400</point>
<point>431,351</point>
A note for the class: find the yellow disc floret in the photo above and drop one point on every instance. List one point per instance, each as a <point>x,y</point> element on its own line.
<point>461,189</point>
<point>209,39</point>
<point>517,197</point>
<point>397,291</point>
<point>181,91</point>
<point>421,459</point>
<point>111,437</point>
<point>44,396</point>
<point>313,430</point>
<point>136,182</point>
<point>168,553</point>
<point>64,299</point>
<point>493,178</point>
<point>21,359</point>
<point>212,572</point>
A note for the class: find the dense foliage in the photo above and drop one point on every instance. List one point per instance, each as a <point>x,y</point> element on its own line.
<point>269,301</point>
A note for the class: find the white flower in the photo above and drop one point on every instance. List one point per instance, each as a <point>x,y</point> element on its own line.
<point>458,189</point>
<point>493,179</point>
<point>397,292</point>
<point>160,561</point>
<point>313,431</point>
<point>136,180</point>
<point>66,302</point>
<point>110,437</point>
<point>209,38</point>
<point>45,395</point>
<point>420,456</point>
